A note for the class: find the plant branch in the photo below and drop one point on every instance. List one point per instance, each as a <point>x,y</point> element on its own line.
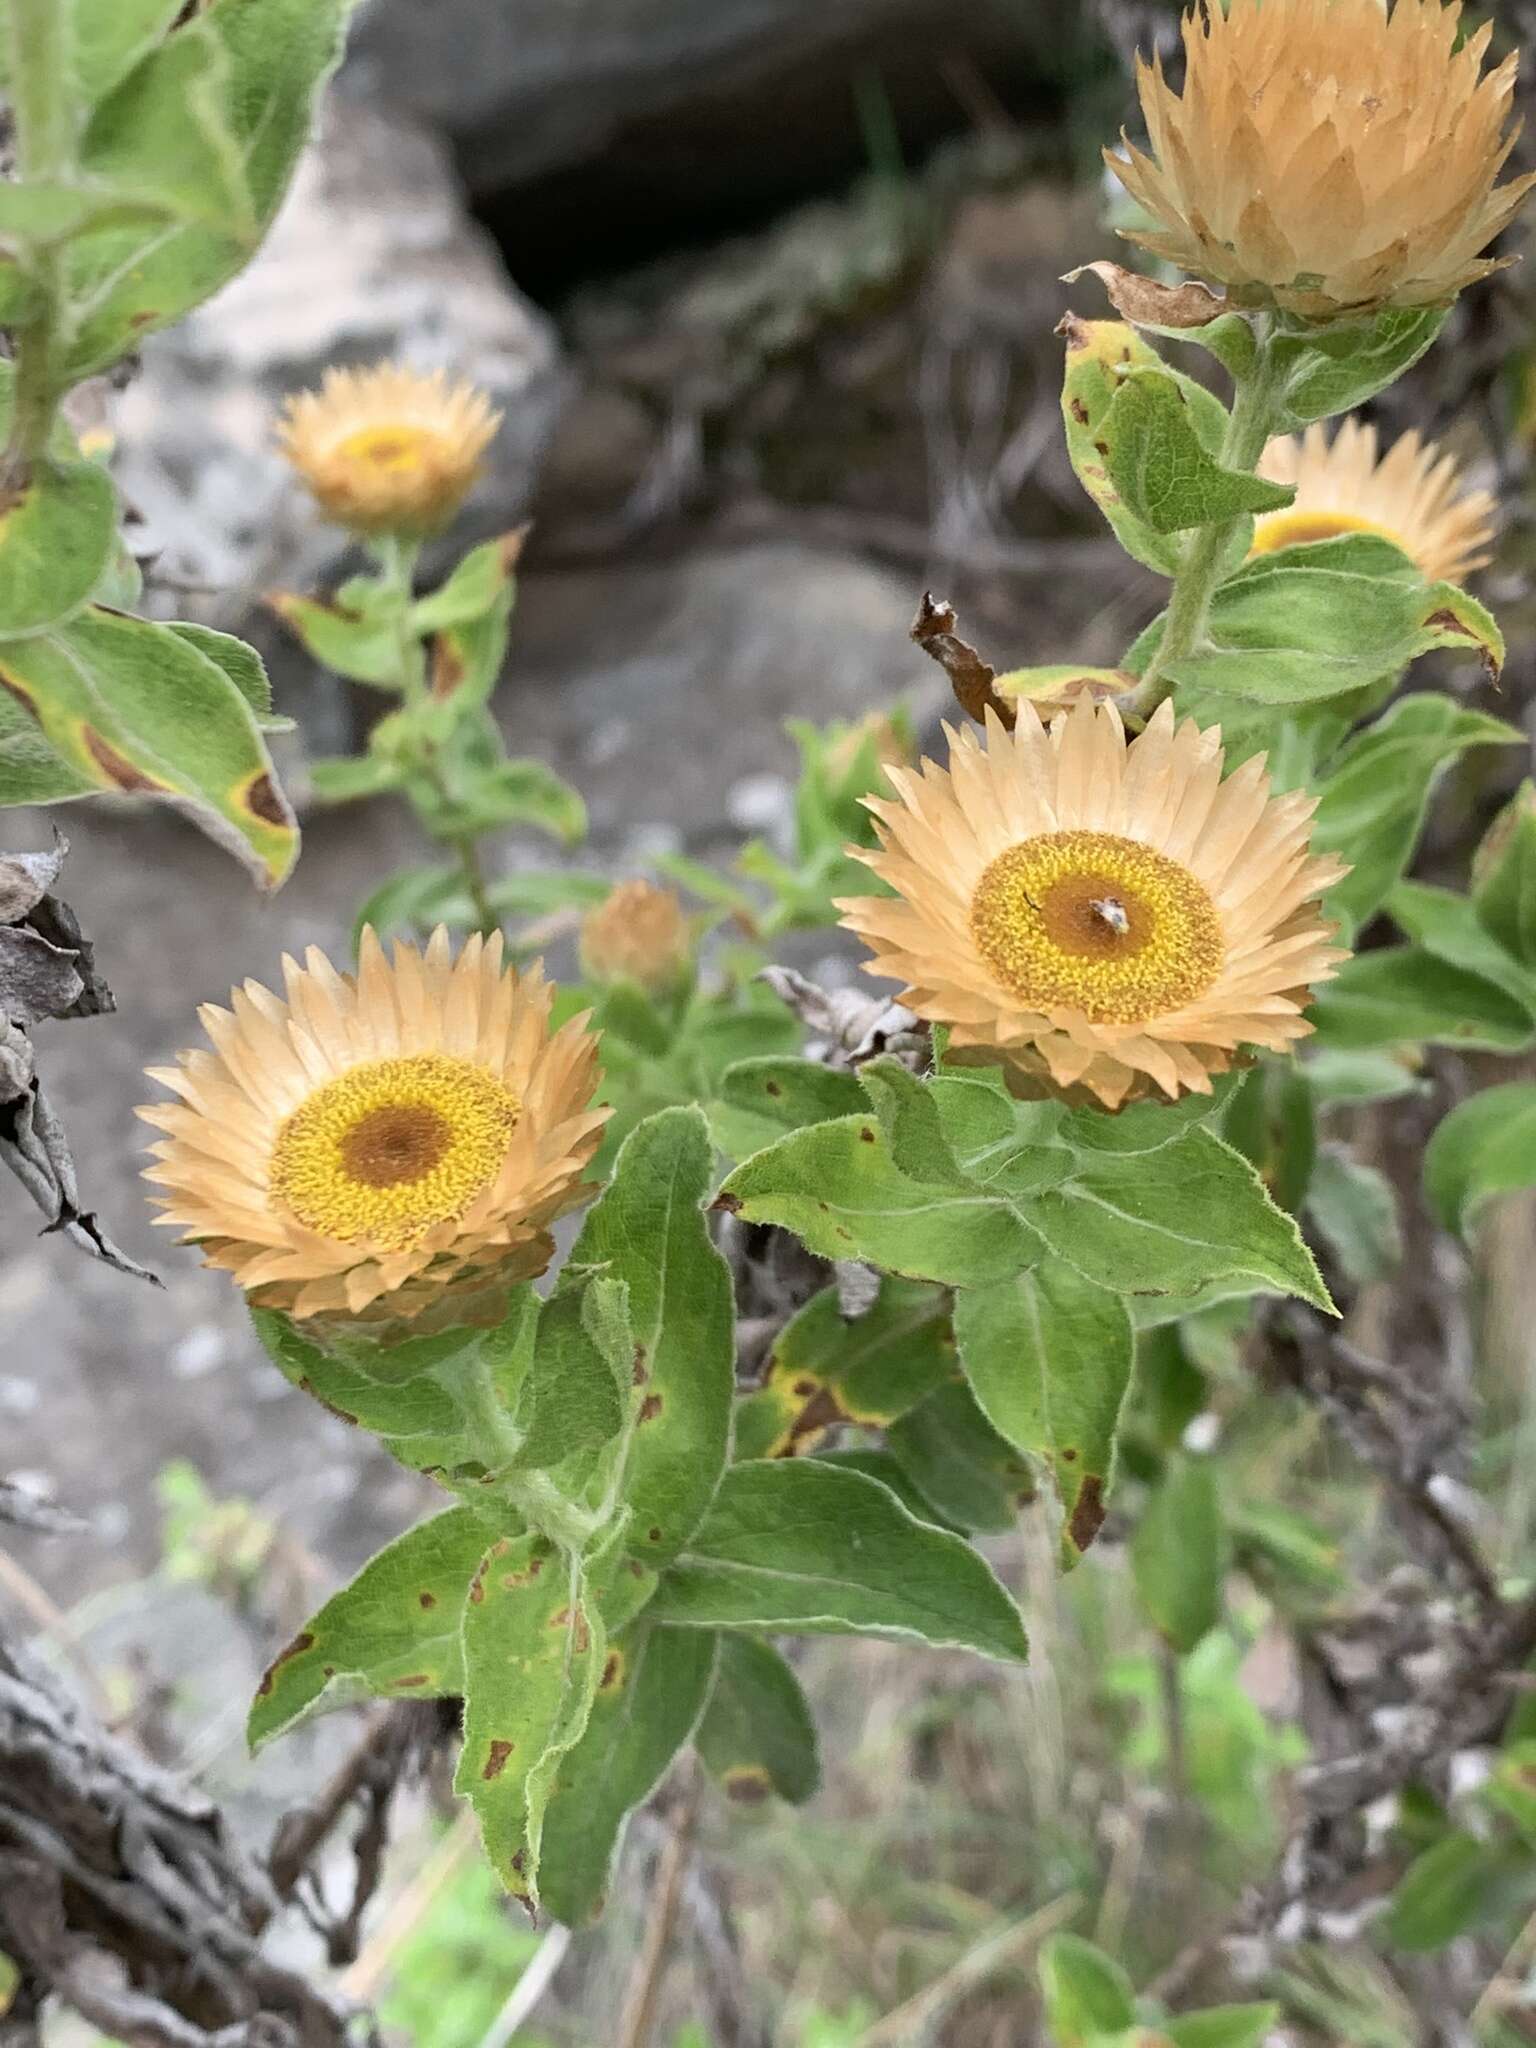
<point>1255,408</point>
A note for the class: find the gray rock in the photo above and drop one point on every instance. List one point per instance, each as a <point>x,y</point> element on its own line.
<point>528,88</point>
<point>657,688</point>
<point>373,255</point>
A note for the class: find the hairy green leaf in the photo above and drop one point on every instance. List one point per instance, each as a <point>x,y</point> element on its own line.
<point>1049,1357</point>
<point>757,1736</point>
<point>534,1654</point>
<point>958,1462</point>
<point>393,1633</point>
<point>762,1099</point>
<point>57,539</point>
<point>652,1690</point>
<point>128,705</point>
<point>648,1230</point>
<point>803,1546</point>
<point>1160,466</point>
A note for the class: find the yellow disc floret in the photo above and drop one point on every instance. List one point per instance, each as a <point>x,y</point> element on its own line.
<point>393,1148</point>
<point>1097,923</point>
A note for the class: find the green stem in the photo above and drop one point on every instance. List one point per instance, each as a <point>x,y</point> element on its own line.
<point>38,32</point>
<point>1255,406</point>
<point>397,562</point>
<point>533,1494</point>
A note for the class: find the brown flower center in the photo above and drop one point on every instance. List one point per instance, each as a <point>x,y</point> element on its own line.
<point>392,1148</point>
<point>1092,922</point>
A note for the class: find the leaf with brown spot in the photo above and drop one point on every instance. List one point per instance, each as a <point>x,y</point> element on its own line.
<point>636,1728</point>
<point>396,1626</point>
<point>758,1736</point>
<point>534,1651</point>
<point>1048,1355</point>
<point>126,704</point>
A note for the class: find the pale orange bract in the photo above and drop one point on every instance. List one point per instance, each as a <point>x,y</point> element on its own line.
<point>637,933</point>
<point>1105,921</point>
<point>385,1149</point>
<point>388,450</point>
<point>1327,157</point>
<point>1413,495</point>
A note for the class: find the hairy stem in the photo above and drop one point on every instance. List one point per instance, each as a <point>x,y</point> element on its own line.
<point>1255,406</point>
<point>397,561</point>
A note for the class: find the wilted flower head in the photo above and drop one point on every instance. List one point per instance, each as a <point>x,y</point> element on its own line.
<point>1102,920</point>
<point>637,933</point>
<point>388,450</point>
<point>1414,496</point>
<point>1327,156</point>
<point>382,1148</point>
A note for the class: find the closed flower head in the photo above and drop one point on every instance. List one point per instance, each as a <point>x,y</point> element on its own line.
<point>1104,921</point>
<point>1327,157</point>
<point>386,1148</point>
<point>639,934</point>
<point>1414,495</point>
<point>388,450</point>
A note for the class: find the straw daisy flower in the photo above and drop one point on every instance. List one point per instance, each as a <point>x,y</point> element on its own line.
<point>1326,156</point>
<point>388,450</point>
<point>386,1148</point>
<point>637,933</point>
<point>1103,920</point>
<point>1414,495</point>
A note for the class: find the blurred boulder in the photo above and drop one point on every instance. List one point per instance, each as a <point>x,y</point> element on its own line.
<point>607,124</point>
<point>374,254</point>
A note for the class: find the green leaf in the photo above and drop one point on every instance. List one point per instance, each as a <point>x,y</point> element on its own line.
<point>836,1186</point>
<point>1441,1894</point>
<point>1486,1146</point>
<point>1160,467</point>
<point>828,1369</point>
<point>534,1654</point>
<point>1405,995</point>
<point>1086,1994</point>
<point>1223,2026</point>
<point>108,37</point>
<point>1048,1355</point>
<point>881,1466</point>
<point>165,135</point>
<point>1146,1126</point>
<point>1178,1553</point>
<point>536,892</point>
<point>762,1099</point>
<point>958,1462</point>
<point>757,1736</point>
<point>1504,878</point>
<point>574,1395</point>
<point>518,793</point>
<point>126,705</point>
<point>346,777</point>
<point>1100,354</point>
<point>393,1633</point>
<point>653,1688</point>
<point>1447,925</point>
<point>57,539</point>
<point>1333,369</point>
<point>124,283</point>
<point>1372,803</point>
<point>466,659</point>
<point>1354,1209</point>
<point>1174,1220</point>
<point>358,642</point>
<point>802,1546</point>
<point>242,664</point>
<point>648,1230</point>
<point>421,897</point>
<point>1287,631</point>
<point>477,586</point>
<point>1354,1077</point>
